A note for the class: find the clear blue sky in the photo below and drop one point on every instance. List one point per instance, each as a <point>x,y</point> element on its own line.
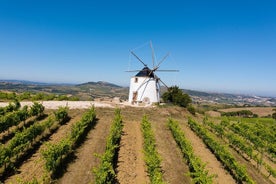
<point>218,45</point>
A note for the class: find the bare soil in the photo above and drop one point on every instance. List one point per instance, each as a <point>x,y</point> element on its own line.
<point>131,166</point>
<point>212,164</point>
<point>34,166</point>
<point>8,134</point>
<point>80,170</point>
<point>173,164</point>
<point>251,170</point>
<point>173,171</point>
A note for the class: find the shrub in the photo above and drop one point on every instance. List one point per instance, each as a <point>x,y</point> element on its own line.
<point>177,97</point>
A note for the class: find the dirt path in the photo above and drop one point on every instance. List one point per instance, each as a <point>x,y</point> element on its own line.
<point>131,166</point>
<point>80,170</point>
<point>213,165</point>
<point>173,165</point>
<point>34,166</point>
<point>70,104</point>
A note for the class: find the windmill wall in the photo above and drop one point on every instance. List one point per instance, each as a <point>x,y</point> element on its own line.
<point>143,89</point>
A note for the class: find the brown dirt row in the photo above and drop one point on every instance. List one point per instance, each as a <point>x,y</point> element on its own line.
<point>19,128</point>
<point>80,170</point>
<point>8,134</point>
<point>253,163</point>
<point>34,166</point>
<point>164,135</point>
<point>251,170</point>
<point>212,164</point>
<point>131,166</point>
<point>175,170</point>
<point>263,170</point>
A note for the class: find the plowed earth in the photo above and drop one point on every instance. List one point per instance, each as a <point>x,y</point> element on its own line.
<point>130,167</point>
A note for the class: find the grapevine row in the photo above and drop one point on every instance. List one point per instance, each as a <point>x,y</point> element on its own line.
<point>239,144</point>
<point>10,108</point>
<point>54,154</point>
<point>15,117</point>
<point>236,141</point>
<point>105,173</point>
<point>221,152</point>
<point>197,167</point>
<point>253,134</point>
<point>152,158</point>
<point>23,141</point>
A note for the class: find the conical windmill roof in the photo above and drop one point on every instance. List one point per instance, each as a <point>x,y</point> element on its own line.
<point>145,72</point>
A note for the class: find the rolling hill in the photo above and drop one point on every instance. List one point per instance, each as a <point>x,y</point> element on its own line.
<point>101,89</point>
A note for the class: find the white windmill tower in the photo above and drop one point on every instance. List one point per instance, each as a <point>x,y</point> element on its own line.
<point>145,85</point>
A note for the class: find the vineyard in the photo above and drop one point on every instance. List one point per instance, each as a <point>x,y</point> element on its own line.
<point>133,145</point>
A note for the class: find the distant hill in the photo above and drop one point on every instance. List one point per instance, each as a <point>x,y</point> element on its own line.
<point>100,83</point>
<point>25,82</point>
<point>85,91</point>
<point>231,99</point>
<point>102,89</point>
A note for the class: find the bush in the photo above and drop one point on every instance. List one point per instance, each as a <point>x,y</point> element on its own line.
<point>241,113</point>
<point>177,97</point>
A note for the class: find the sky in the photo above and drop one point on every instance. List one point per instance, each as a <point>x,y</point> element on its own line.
<point>218,46</point>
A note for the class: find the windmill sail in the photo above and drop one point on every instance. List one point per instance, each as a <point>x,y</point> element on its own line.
<point>145,85</point>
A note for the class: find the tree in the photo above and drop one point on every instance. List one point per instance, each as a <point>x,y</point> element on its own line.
<point>176,96</point>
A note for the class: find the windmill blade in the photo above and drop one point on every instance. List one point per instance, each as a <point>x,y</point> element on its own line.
<point>144,91</point>
<point>159,88</point>
<point>163,83</point>
<point>151,71</point>
<point>142,84</point>
<point>161,61</point>
<point>152,55</point>
<point>138,58</point>
<point>167,70</point>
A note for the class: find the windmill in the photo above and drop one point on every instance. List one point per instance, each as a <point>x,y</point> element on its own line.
<point>145,85</point>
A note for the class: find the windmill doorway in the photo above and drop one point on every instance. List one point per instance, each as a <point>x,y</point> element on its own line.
<point>134,96</point>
